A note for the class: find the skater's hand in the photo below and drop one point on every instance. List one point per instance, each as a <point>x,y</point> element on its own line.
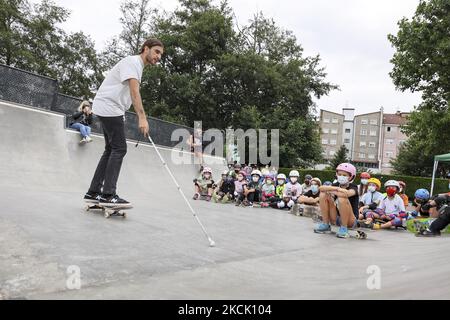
<point>143,126</point>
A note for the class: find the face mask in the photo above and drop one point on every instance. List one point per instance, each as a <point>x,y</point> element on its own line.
<point>372,189</point>
<point>364,182</point>
<point>315,189</point>
<point>281,182</point>
<point>255,179</point>
<point>294,180</point>
<point>391,191</point>
<point>343,180</point>
<point>207,176</point>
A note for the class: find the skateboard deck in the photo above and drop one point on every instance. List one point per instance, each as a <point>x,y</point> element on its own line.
<point>108,212</point>
<point>418,225</point>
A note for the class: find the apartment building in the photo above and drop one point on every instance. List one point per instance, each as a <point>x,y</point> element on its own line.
<point>371,139</point>
<point>392,138</point>
<point>331,132</point>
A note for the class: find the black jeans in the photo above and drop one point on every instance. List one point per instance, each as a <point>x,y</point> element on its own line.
<point>108,168</point>
<point>442,222</point>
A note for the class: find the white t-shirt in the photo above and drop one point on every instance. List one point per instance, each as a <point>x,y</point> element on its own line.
<point>113,97</point>
<point>369,198</point>
<point>392,206</point>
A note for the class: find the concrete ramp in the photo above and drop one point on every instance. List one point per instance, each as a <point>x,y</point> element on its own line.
<point>159,252</point>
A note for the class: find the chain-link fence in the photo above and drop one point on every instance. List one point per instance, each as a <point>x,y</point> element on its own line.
<point>41,92</point>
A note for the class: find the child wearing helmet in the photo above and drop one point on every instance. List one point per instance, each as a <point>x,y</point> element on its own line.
<point>306,186</point>
<point>239,184</point>
<point>292,191</point>
<point>204,185</point>
<point>391,209</point>
<point>420,202</point>
<point>362,188</point>
<point>268,190</point>
<point>402,193</point>
<point>225,192</point>
<point>370,201</point>
<point>339,202</point>
<point>312,197</point>
<point>279,190</point>
<point>252,190</point>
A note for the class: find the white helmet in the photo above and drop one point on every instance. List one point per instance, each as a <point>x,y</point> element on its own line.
<point>317,180</point>
<point>225,172</point>
<point>281,176</point>
<point>392,183</point>
<point>256,173</point>
<point>294,173</point>
<point>207,170</point>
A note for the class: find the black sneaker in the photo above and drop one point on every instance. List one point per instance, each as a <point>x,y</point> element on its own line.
<point>92,197</point>
<point>428,234</point>
<point>113,201</point>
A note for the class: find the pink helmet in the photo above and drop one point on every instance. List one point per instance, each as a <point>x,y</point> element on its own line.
<point>349,168</point>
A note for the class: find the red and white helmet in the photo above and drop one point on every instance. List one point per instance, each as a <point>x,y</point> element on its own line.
<point>349,168</point>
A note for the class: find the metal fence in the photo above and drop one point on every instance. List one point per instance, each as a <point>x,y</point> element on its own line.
<point>37,91</point>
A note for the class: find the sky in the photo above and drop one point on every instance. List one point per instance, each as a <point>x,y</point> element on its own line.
<point>349,35</point>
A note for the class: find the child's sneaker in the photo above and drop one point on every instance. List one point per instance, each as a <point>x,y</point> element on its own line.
<point>196,196</point>
<point>322,228</point>
<point>88,139</point>
<point>208,198</point>
<point>428,234</point>
<point>83,141</point>
<point>343,233</point>
<point>92,197</point>
<point>264,205</point>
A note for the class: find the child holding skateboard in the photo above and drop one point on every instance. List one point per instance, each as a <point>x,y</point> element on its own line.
<point>339,202</point>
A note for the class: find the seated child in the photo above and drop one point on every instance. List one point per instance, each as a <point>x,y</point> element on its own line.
<point>370,201</point>
<point>391,209</point>
<point>312,196</point>
<point>440,208</point>
<point>204,185</point>
<point>268,191</point>
<point>421,199</point>
<point>279,190</point>
<point>252,190</point>
<point>239,184</point>
<point>402,193</point>
<point>292,191</point>
<point>226,189</point>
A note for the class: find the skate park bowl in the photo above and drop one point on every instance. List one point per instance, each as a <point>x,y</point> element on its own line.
<point>53,249</point>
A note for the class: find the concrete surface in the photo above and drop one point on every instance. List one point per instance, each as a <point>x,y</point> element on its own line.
<point>159,252</point>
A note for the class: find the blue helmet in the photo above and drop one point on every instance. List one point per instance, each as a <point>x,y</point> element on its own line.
<point>422,194</point>
<point>327,183</point>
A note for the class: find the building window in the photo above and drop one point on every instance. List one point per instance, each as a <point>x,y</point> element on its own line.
<point>388,129</point>
<point>324,141</point>
<point>371,156</point>
<point>362,144</point>
<point>348,130</point>
<point>373,133</point>
<point>372,145</point>
<point>389,154</point>
<point>364,132</point>
<point>364,121</point>
<point>326,120</point>
<point>346,140</point>
<point>362,155</point>
<point>373,122</point>
<point>335,120</point>
<point>334,131</point>
<point>333,142</point>
<point>389,141</point>
<point>326,131</point>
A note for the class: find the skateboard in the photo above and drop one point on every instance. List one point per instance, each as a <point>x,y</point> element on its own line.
<point>108,212</point>
<point>419,225</point>
<point>354,233</point>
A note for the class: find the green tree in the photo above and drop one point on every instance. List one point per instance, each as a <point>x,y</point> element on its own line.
<point>422,64</point>
<point>339,157</point>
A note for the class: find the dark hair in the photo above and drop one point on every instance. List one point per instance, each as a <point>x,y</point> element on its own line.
<point>150,43</point>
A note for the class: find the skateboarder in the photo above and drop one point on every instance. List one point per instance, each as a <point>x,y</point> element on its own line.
<point>118,92</point>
